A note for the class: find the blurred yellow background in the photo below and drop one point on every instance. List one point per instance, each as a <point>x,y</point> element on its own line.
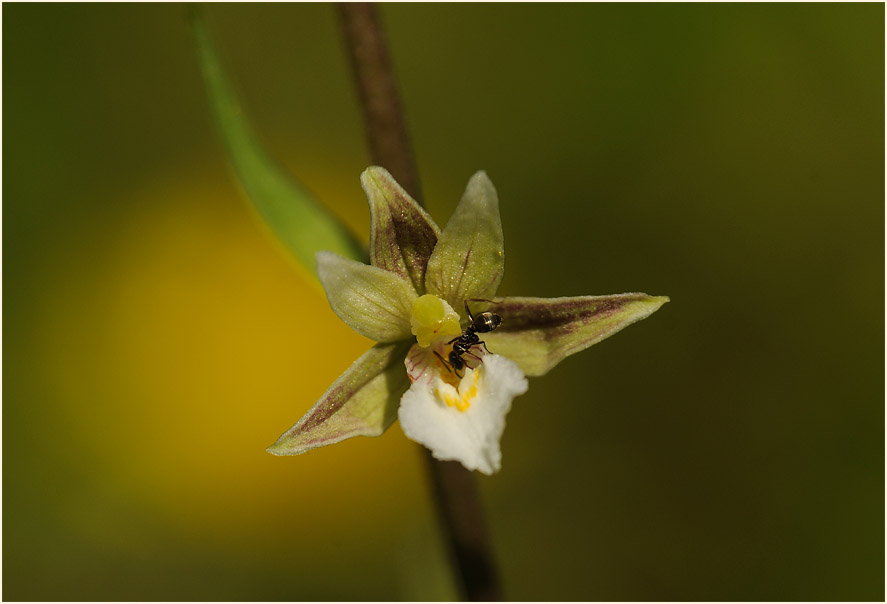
<point>156,340</point>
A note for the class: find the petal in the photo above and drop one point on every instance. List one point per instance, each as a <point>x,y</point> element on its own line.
<point>362,402</point>
<point>371,301</point>
<point>469,259</point>
<point>470,436</point>
<point>538,333</point>
<point>402,234</point>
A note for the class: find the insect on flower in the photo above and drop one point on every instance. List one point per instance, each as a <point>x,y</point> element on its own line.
<point>484,322</point>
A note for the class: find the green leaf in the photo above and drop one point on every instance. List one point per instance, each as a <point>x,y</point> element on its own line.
<point>403,235</point>
<point>469,259</point>
<point>538,333</point>
<point>300,223</point>
<point>362,402</point>
<point>372,301</point>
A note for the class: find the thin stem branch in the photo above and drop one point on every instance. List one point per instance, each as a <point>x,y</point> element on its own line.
<point>454,487</point>
<point>460,513</point>
<point>386,128</point>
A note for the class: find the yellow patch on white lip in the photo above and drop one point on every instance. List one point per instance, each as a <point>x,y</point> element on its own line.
<point>467,391</point>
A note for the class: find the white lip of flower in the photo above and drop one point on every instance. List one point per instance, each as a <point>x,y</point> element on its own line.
<point>456,418</point>
<point>466,423</point>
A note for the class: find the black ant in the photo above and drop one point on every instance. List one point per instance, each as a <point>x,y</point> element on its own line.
<point>462,344</point>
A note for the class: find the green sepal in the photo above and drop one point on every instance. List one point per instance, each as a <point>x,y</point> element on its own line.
<point>362,402</point>
<point>302,224</point>
<point>372,301</point>
<point>402,234</point>
<point>469,259</point>
<point>538,333</point>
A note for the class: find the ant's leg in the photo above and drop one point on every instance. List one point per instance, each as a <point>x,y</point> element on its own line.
<point>484,345</point>
<point>469,353</point>
<point>445,364</point>
<point>467,300</point>
<point>482,300</point>
<point>468,312</point>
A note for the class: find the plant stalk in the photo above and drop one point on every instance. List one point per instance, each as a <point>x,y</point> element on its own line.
<point>454,488</point>
<point>386,129</point>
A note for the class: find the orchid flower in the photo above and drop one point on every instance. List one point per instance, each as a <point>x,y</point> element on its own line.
<point>408,300</point>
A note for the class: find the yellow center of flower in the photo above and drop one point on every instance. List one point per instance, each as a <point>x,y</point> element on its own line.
<point>461,398</point>
<point>433,319</point>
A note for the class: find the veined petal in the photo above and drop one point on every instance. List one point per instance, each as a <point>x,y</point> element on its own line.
<point>402,234</point>
<point>362,402</point>
<point>464,424</point>
<point>538,333</point>
<point>469,259</point>
<point>372,301</point>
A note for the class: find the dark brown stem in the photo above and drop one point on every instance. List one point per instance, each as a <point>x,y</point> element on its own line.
<point>454,487</point>
<point>461,515</point>
<point>382,113</point>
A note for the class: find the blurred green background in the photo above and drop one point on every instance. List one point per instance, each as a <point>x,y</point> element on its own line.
<point>156,340</point>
